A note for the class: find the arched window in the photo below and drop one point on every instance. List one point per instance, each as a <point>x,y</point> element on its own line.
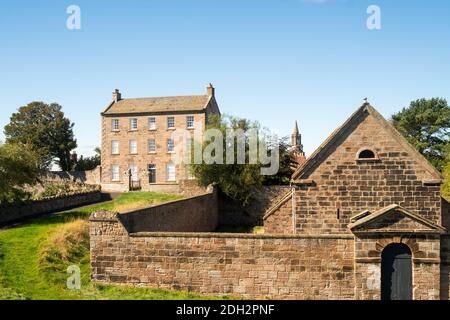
<point>366,154</point>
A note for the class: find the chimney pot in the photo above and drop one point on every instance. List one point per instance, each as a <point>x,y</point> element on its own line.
<point>117,96</point>
<point>211,90</point>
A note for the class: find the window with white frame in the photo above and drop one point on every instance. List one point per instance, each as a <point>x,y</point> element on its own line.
<point>133,147</point>
<point>170,122</point>
<point>151,145</point>
<point>170,145</point>
<point>115,125</point>
<point>133,124</point>
<point>190,122</point>
<point>134,172</point>
<point>152,123</point>
<point>170,170</point>
<point>115,173</point>
<point>115,147</point>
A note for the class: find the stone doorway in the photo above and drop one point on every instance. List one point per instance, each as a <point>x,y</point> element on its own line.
<point>396,272</point>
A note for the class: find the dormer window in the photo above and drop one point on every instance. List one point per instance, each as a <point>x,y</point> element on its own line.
<point>366,154</point>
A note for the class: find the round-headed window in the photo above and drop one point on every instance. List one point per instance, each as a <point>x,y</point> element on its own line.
<point>366,154</point>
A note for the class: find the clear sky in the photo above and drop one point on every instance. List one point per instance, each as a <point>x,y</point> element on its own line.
<point>270,60</point>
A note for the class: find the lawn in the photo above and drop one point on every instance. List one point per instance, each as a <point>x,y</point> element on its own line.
<point>25,274</point>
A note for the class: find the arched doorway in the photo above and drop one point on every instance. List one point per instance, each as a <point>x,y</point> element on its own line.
<point>396,272</point>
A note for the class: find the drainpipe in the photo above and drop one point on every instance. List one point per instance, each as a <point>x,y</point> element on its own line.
<point>294,217</point>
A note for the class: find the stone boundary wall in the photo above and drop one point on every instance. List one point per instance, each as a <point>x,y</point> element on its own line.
<point>30,209</point>
<point>190,188</point>
<point>233,213</point>
<point>252,266</point>
<point>187,188</point>
<point>194,214</point>
<point>88,177</point>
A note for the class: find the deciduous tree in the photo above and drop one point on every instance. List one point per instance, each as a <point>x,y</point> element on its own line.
<point>239,181</point>
<point>426,125</point>
<point>88,163</point>
<point>45,128</point>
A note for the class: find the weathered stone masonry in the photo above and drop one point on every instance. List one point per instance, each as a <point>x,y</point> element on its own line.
<point>29,209</point>
<point>202,215</point>
<point>325,237</point>
<point>257,266</point>
<point>391,197</point>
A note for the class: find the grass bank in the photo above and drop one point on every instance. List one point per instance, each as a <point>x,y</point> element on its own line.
<point>34,257</point>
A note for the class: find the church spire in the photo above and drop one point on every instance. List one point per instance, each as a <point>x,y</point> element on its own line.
<point>296,128</point>
<point>296,144</point>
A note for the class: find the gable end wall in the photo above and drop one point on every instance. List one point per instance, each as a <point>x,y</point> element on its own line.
<point>341,182</point>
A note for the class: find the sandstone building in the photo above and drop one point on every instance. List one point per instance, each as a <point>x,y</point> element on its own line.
<point>368,183</point>
<point>363,219</point>
<point>140,138</point>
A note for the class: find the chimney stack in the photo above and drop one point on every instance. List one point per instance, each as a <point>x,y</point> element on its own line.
<point>117,96</point>
<point>211,90</point>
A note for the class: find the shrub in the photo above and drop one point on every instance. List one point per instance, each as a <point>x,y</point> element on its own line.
<point>61,189</point>
<point>19,167</point>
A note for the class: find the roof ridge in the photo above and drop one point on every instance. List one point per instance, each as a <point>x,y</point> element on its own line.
<point>162,97</point>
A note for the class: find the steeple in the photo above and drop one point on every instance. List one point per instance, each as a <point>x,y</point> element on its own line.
<point>296,149</point>
<point>296,128</point>
<point>296,140</point>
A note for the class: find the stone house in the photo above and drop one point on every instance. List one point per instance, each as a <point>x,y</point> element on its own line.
<point>141,137</point>
<point>363,219</point>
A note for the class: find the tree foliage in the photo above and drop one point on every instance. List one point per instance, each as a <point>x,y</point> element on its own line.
<point>88,163</point>
<point>445,189</point>
<point>238,181</point>
<point>19,166</point>
<point>45,128</point>
<point>288,164</point>
<point>426,125</point>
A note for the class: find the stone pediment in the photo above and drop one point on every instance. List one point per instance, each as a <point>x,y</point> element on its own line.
<point>392,219</point>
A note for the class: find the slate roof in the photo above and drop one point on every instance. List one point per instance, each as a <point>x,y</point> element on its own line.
<point>158,104</point>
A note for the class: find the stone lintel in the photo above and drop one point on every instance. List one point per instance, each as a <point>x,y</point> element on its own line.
<point>436,182</point>
<point>304,182</point>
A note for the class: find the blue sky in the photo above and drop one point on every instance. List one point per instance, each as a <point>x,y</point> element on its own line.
<point>270,60</point>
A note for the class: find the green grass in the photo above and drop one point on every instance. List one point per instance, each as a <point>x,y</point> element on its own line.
<point>23,275</point>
